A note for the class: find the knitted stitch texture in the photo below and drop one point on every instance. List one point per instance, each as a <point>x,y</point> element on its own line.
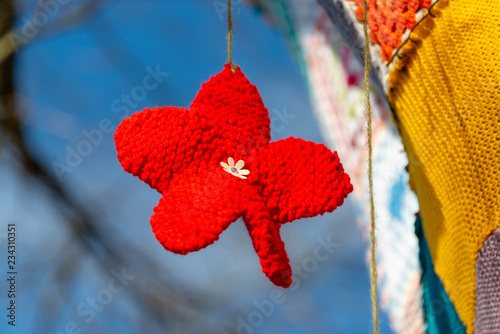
<point>413,41</point>
<point>440,315</point>
<point>343,16</point>
<point>446,101</point>
<point>388,20</point>
<point>188,156</point>
<point>488,286</point>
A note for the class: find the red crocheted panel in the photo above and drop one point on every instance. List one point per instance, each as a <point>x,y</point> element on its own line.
<point>214,163</point>
<point>389,19</point>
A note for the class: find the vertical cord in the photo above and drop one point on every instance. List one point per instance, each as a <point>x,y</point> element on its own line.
<point>373,261</point>
<point>229,36</point>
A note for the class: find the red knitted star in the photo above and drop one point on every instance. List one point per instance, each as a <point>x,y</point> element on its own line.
<point>189,157</point>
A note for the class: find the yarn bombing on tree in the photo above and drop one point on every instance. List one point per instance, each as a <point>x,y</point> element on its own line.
<point>214,163</point>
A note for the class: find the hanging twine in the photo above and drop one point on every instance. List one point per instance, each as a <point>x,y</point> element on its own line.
<point>373,270</point>
<point>229,36</point>
<point>373,261</point>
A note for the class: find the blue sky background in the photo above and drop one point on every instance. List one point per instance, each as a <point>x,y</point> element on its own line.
<point>85,57</point>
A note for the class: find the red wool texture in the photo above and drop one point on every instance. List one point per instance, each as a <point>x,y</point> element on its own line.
<point>179,151</point>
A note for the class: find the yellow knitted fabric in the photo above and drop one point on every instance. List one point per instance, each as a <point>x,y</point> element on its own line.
<point>447,100</point>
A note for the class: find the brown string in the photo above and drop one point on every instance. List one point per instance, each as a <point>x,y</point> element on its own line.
<point>229,37</point>
<point>373,262</point>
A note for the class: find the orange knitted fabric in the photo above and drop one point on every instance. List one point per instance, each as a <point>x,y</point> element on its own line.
<point>189,157</point>
<point>389,19</point>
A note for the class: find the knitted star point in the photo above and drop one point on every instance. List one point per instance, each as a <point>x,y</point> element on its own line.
<point>189,157</point>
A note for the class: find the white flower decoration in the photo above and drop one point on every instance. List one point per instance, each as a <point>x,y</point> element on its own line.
<point>235,170</point>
